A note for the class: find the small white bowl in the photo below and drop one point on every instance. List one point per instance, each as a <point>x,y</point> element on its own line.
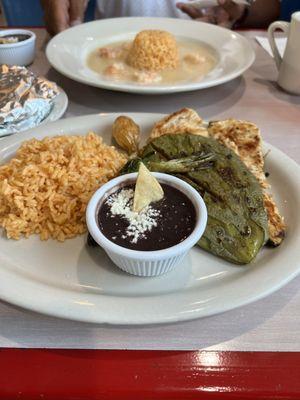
<point>20,53</point>
<point>145,263</point>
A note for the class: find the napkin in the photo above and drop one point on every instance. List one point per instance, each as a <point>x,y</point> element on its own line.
<point>280,42</point>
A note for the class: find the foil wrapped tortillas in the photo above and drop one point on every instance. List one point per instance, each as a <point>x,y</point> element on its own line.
<point>25,100</point>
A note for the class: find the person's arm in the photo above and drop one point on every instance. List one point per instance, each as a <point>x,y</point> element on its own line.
<point>261,13</point>
<point>228,13</point>
<point>61,14</point>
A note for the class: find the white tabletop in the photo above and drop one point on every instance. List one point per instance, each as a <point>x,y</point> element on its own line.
<point>272,324</point>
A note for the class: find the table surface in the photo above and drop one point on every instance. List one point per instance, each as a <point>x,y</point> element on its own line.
<point>271,324</point>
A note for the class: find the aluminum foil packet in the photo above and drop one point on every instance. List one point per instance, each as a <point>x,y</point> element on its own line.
<point>25,99</point>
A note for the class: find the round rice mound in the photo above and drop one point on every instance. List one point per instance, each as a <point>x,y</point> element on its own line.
<point>45,188</point>
<point>153,50</point>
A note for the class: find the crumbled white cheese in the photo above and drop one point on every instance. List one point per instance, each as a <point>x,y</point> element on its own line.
<point>121,203</point>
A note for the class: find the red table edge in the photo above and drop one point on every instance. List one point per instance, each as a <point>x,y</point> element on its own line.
<point>147,375</point>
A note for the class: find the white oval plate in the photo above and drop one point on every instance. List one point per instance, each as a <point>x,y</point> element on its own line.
<point>60,104</point>
<point>67,52</point>
<point>73,281</point>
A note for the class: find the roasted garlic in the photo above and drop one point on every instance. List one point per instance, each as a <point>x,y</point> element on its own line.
<point>126,133</point>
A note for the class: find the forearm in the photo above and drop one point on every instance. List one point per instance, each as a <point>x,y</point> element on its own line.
<point>61,14</point>
<point>262,13</point>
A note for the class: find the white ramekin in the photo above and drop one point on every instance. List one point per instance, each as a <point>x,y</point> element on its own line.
<point>146,263</point>
<point>20,53</point>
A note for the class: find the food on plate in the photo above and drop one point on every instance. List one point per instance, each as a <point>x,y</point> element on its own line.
<point>147,77</point>
<point>196,161</point>
<point>45,187</point>
<point>147,189</point>
<point>126,133</point>
<point>185,120</point>
<point>154,57</point>
<point>277,226</point>
<point>151,226</point>
<point>115,71</point>
<point>237,225</point>
<point>25,99</point>
<point>153,50</point>
<point>223,161</point>
<point>194,58</point>
<point>245,140</point>
<point>112,53</point>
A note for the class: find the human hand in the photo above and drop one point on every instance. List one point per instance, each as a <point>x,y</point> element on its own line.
<point>225,14</point>
<point>61,14</point>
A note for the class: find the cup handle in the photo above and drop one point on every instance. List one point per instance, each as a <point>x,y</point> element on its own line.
<point>283,26</point>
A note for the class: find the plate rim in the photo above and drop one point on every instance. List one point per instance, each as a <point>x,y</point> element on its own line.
<point>127,88</point>
<point>61,107</point>
<point>78,313</point>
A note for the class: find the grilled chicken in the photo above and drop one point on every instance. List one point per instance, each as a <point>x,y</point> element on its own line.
<point>245,140</point>
<point>185,120</point>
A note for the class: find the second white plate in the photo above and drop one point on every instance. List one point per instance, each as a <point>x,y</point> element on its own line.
<point>68,51</point>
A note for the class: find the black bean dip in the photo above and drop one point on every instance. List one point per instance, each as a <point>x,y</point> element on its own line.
<point>162,224</point>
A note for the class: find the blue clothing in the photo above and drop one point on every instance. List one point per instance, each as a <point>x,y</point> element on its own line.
<point>30,13</point>
<point>288,7</point>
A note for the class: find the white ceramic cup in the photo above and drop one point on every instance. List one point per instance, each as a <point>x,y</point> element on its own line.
<point>20,53</point>
<point>288,65</point>
<point>146,263</point>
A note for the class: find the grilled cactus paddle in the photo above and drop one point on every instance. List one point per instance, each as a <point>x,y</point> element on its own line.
<point>237,225</point>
